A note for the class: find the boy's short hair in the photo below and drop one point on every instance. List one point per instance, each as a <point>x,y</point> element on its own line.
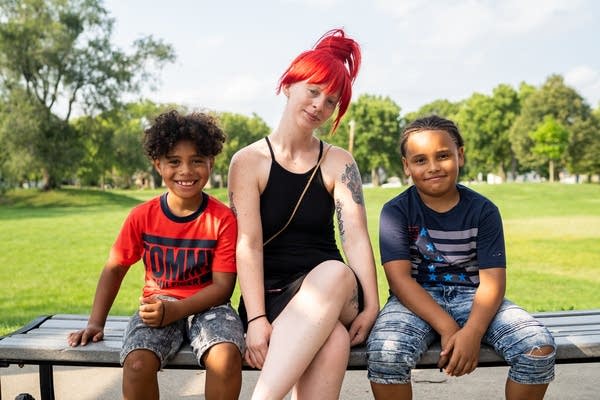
<point>430,123</point>
<point>171,127</point>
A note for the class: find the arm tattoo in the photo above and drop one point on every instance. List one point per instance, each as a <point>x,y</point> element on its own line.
<point>351,177</point>
<point>338,213</point>
<point>354,300</point>
<point>231,205</point>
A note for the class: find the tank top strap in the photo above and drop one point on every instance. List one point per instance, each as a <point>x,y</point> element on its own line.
<point>320,150</point>
<point>273,154</point>
<point>270,148</point>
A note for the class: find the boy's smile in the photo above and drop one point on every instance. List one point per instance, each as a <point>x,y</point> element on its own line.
<point>432,161</point>
<point>185,173</point>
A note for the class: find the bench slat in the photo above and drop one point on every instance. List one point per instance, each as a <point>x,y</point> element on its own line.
<point>577,335</point>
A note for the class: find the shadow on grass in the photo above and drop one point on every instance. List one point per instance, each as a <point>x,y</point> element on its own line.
<point>33,203</point>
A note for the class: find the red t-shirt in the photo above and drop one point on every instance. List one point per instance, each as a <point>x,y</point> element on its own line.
<point>179,253</point>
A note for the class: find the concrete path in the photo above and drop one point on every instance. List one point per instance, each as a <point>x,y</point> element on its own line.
<point>573,381</point>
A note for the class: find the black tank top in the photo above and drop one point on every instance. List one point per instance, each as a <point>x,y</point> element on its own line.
<point>309,239</point>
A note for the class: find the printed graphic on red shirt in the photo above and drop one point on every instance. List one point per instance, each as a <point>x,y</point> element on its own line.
<point>179,254</point>
<point>176,263</point>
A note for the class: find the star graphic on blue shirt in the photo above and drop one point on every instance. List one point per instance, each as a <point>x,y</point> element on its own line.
<point>432,277</point>
<point>430,247</point>
<point>439,258</point>
<point>462,277</point>
<point>423,232</point>
<point>431,267</point>
<point>448,278</point>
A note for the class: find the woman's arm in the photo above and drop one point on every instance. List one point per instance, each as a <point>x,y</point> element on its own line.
<point>352,224</point>
<point>244,198</point>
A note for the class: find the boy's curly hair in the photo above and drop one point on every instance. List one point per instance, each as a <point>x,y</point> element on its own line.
<point>171,127</point>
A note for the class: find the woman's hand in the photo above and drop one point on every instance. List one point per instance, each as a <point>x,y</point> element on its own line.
<point>361,326</point>
<point>257,342</point>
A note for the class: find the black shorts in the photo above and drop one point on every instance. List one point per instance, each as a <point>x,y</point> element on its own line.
<point>277,298</point>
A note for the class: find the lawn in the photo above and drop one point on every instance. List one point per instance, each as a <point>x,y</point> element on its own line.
<point>54,245</point>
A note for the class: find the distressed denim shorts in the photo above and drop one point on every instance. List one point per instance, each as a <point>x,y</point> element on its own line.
<point>399,338</point>
<point>218,324</point>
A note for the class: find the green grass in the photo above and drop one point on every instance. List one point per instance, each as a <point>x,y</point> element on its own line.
<point>54,245</point>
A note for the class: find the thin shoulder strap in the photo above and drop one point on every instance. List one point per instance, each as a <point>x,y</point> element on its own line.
<point>270,148</point>
<point>301,196</point>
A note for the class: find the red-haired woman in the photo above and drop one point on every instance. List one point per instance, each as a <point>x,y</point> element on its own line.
<point>302,304</point>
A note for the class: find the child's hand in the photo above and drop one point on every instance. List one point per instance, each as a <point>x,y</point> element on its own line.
<point>462,350</point>
<point>92,332</point>
<point>152,311</point>
<point>447,345</point>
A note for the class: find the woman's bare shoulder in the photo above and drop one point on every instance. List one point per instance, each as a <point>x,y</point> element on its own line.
<point>337,158</point>
<point>252,153</point>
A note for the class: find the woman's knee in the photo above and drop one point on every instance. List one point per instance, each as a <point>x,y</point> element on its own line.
<point>333,276</point>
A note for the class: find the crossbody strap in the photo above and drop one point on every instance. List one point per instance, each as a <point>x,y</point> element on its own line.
<point>300,198</point>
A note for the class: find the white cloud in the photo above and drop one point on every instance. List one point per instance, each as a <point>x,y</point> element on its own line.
<point>209,42</point>
<point>443,24</point>
<point>586,81</point>
<point>243,88</point>
<point>314,3</point>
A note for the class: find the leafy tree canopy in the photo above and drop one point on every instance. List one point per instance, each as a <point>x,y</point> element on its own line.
<point>59,53</point>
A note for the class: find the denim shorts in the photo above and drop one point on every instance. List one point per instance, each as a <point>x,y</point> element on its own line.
<point>218,324</point>
<point>399,338</point>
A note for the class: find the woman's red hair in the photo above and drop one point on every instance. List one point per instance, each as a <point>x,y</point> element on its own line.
<point>334,61</point>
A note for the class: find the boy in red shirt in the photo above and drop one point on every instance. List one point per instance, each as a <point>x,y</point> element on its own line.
<point>186,240</point>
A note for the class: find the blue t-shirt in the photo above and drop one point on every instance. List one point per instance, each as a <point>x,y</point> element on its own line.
<point>444,248</point>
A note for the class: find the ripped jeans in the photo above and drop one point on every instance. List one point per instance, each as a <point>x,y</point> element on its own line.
<point>218,324</point>
<point>399,338</point>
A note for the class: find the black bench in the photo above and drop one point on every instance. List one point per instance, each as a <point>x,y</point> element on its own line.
<point>43,342</point>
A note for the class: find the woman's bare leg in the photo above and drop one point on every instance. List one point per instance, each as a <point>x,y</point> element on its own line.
<point>324,376</point>
<point>304,326</point>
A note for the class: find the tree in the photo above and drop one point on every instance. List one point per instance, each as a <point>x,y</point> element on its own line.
<point>441,107</point>
<point>59,53</point>
<point>549,142</point>
<point>562,103</point>
<point>485,122</point>
<point>16,163</point>
<point>376,134</point>
<point>584,146</point>
<point>113,144</point>
<point>241,131</point>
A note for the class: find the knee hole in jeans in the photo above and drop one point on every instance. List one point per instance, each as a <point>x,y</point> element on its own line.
<point>541,351</point>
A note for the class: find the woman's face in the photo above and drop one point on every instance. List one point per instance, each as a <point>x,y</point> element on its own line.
<point>309,104</point>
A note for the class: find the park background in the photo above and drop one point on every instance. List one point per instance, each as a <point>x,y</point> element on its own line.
<point>77,88</point>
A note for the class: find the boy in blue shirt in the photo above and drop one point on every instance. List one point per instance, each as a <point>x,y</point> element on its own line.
<point>442,248</point>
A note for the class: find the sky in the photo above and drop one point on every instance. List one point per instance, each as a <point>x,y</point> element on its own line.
<point>230,54</point>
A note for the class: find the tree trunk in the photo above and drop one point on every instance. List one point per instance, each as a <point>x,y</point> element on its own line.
<point>48,181</point>
<point>375,177</point>
<point>551,170</point>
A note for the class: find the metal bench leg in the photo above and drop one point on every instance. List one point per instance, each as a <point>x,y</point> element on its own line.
<point>46,382</point>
